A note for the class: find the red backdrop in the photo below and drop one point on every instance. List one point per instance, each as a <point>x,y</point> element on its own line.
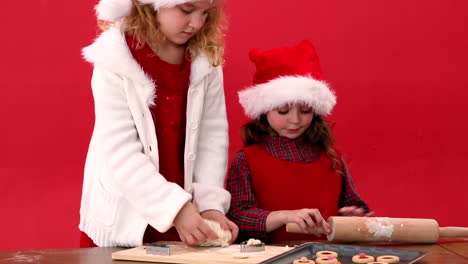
<point>398,68</point>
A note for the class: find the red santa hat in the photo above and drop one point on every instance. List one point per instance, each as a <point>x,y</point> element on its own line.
<point>287,75</point>
<point>114,10</point>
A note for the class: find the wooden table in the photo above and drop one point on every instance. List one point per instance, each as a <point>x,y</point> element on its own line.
<point>450,252</point>
<point>457,246</point>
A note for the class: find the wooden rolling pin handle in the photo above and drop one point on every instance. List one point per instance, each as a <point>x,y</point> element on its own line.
<point>295,228</point>
<point>450,231</point>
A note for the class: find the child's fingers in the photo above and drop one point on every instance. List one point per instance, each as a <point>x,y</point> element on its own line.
<point>198,235</point>
<point>347,210</point>
<point>370,214</point>
<point>326,227</point>
<point>358,212</point>
<point>224,225</point>
<point>181,235</point>
<point>321,222</point>
<point>308,221</point>
<point>302,224</point>
<point>317,217</point>
<point>234,231</point>
<point>182,238</point>
<point>343,211</point>
<point>206,230</point>
<point>190,240</point>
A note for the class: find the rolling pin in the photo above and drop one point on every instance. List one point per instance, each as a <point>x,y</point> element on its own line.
<point>384,229</point>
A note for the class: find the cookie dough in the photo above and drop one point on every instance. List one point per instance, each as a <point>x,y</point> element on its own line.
<point>362,258</point>
<point>388,259</point>
<point>303,260</point>
<point>326,253</point>
<point>253,242</point>
<point>326,260</point>
<point>223,236</point>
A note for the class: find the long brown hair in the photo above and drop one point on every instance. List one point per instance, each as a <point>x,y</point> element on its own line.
<point>317,134</point>
<point>142,23</point>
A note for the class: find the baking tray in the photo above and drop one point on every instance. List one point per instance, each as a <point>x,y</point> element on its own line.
<point>345,253</point>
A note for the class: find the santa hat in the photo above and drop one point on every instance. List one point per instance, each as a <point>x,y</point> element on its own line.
<point>114,10</point>
<point>287,75</point>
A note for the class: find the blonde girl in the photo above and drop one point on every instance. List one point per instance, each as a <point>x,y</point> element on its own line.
<point>156,163</point>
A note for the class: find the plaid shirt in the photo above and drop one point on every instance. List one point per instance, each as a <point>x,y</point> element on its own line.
<point>244,207</point>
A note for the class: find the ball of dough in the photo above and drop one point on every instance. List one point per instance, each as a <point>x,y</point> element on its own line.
<point>326,253</point>
<point>362,258</point>
<point>388,259</point>
<point>253,242</point>
<point>223,236</point>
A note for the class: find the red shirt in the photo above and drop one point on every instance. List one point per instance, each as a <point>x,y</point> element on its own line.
<point>169,115</point>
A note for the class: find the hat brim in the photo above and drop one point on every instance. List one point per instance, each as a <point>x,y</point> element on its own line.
<point>114,10</point>
<point>262,98</point>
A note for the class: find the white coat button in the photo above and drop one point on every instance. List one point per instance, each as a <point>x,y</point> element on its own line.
<point>191,156</point>
<point>194,125</point>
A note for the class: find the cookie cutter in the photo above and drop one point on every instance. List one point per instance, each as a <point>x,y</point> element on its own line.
<point>158,249</point>
<point>251,248</point>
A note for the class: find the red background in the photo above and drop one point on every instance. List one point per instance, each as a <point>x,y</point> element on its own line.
<point>398,68</point>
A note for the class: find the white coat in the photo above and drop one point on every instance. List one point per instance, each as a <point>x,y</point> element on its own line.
<point>123,191</point>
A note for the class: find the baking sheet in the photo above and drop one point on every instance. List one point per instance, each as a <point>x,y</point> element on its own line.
<point>345,253</point>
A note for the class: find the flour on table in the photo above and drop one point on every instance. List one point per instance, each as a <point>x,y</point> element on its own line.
<point>240,256</point>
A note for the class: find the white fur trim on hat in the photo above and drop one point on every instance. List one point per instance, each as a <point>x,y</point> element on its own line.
<point>114,10</point>
<point>262,98</point>
<point>168,3</point>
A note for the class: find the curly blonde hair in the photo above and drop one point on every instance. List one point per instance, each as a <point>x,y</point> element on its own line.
<point>142,23</point>
<point>317,134</point>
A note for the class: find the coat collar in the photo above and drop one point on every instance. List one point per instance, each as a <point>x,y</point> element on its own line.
<point>110,51</point>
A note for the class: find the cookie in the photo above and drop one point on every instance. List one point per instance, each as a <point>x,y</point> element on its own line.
<point>303,260</point>
<point>326,260</point>
<point>362,258</point>
<point>388,259</point>
<point>325,253</point>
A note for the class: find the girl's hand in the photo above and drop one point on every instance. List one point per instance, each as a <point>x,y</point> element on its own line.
<point>354,211</point>
<point>191,227</point>
<point>308,219</point>
<point>225,223</point>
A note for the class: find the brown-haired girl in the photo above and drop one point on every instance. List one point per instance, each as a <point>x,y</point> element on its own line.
<point>289,170</point>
